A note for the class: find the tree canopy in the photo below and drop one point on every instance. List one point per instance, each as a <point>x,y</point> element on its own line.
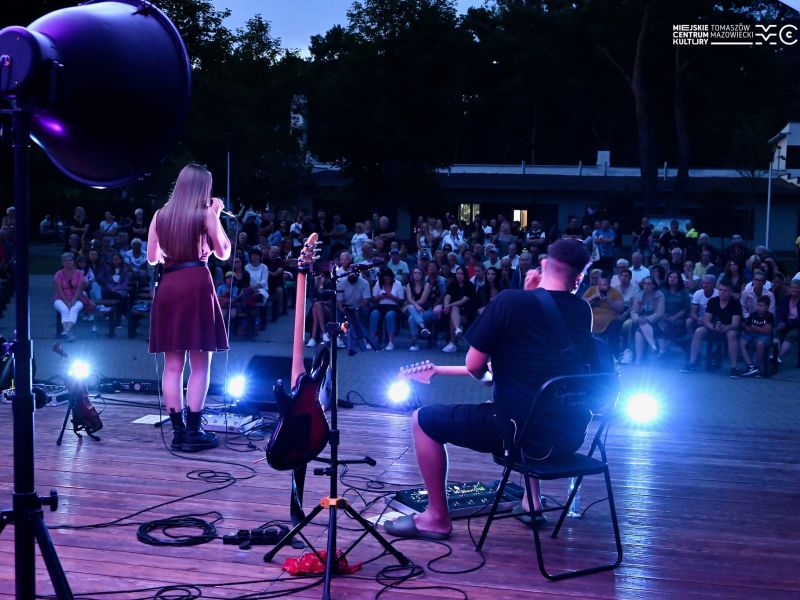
<point>407,86</point>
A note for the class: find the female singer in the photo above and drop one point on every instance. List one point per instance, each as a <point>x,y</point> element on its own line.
<point>186,316</point>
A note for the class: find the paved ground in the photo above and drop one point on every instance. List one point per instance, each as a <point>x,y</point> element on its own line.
<point>700,399</point>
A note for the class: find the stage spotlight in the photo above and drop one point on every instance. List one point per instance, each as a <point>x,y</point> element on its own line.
<point>642,408</point>
<point>399,392</point>
<point>237,386</point>
<point>79,370</point>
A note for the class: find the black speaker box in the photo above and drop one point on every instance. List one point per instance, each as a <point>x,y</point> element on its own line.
<point>262,372</point>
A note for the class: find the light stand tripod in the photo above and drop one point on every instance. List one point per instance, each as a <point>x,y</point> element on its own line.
<point>26,513</point>
<point>333,502</point>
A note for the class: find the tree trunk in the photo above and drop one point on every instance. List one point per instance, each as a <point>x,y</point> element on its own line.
<point>681,134</point>
<point>648,165</point>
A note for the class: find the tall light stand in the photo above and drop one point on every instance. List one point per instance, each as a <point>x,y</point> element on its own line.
<point>26,513</point>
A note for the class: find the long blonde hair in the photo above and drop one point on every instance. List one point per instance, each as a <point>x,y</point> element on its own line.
<point>181,221</point>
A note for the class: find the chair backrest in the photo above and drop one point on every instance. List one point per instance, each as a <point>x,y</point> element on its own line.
<point>561,398</point>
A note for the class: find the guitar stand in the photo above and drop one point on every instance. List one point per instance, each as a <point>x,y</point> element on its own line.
<point>76,426</point>
<point>333,502</point>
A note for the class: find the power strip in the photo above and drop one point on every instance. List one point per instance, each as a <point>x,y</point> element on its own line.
<point>230,422</point>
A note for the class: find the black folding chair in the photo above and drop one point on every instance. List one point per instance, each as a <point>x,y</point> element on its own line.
<point>566,395</point>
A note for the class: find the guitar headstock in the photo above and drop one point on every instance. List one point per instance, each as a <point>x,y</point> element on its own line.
<point>421,372</point>
<point>309,253</point>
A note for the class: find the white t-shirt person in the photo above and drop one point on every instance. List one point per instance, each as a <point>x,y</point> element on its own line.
<point>699,298</point>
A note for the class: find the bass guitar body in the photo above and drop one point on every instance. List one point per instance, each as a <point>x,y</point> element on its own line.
<point>302,430</point>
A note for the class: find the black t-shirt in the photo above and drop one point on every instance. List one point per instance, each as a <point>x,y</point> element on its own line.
<point>669,241</point>
<point>456,293</point>
<point>573,231</point>
<point>723,315</point>
<point>525,353</point>
<point>756,320</point>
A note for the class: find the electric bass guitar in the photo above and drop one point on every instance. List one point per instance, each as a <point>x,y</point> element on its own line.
<point>301,432</point>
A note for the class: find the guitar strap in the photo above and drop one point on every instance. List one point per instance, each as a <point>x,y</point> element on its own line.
<point>555,321</point>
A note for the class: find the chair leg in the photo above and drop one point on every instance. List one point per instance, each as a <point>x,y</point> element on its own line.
<point>498,494</point>
<point>567,504</point>
<point>590,570</point>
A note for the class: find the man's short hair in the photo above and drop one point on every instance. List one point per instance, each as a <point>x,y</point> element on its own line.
<point>764,300</point>
<point>709,277</point>
<point>570,253</point>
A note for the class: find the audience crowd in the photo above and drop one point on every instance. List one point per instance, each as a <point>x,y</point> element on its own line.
<point>673,288</point>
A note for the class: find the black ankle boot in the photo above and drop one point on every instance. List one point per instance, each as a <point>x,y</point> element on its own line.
<point>196,439</point>
<point>178,429</point>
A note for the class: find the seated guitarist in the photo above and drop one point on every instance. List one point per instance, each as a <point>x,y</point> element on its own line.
<point>513,334</point>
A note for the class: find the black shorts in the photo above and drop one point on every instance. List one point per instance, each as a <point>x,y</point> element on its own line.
<point>474,426</point>
<point>479,427</point>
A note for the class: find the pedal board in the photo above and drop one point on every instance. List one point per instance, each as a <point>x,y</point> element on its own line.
<point>230,422</point>
<point>464,499</point>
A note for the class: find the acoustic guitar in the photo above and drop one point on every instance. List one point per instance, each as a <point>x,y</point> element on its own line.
<point>301,432</point>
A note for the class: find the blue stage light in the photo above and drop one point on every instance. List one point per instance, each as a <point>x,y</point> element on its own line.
<point>642,408</point>
<point>399,392</point>
<point>79,370</point>
<point>236,386</point>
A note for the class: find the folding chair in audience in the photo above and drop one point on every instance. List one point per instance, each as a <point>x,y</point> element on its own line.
<point>563,396</point>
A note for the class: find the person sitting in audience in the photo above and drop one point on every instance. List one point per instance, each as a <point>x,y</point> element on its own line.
<point>458,304</point>
<point>779,290</point>
<point>607,304</point>
<point>69,284</point>
<point>227,292</point>
<point>677,304</point>
<point>139,227</point>
<point>387,299</point>
<point>691,282</point>
<point>259,281</point>
<point>753,291</point>
<point>276,288</point>
<point>757,330</point>
<point>322,293</point>
<point>721,319</point>
<point>108,226</point>
<point>789,318</point>
<point>705,266</point>
<point>638,270</point>
<point>647,311</point>
<point>512,255</point>
<point>493,258</point>
<point>418,306</point>
<point>121,244</point>
<point>136,259</point>
<point>518,275</point>
<point>505,273</point>
<point>74,245</point>
<point>700,300</point>
<point>734,277</point>
<point>487,292</point>
<point>115,287</point>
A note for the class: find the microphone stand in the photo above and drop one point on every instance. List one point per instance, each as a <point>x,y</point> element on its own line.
<point>333,502</point>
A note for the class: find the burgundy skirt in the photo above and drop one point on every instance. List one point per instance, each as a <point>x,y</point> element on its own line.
<point>186,314</point>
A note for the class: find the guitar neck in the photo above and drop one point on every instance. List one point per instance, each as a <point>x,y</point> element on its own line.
<point>450,370</point>
<point>298,368</point>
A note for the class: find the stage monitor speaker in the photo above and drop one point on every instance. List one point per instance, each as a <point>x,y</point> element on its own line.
<point>262,372</point>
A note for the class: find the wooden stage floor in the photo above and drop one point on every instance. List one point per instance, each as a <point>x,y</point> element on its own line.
<point>708,512</point>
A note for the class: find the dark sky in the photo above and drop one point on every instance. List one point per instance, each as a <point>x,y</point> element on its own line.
<point>295,21</point>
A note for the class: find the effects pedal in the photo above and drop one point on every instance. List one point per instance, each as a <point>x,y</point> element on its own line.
<point>229,422</point>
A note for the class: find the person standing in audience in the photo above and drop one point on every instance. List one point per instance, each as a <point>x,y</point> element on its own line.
<point>185,316</point>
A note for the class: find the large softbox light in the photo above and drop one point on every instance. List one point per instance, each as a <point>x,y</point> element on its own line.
<point>108,85</point>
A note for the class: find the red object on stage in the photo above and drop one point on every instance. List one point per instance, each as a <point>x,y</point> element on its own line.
<point>310,564</point>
